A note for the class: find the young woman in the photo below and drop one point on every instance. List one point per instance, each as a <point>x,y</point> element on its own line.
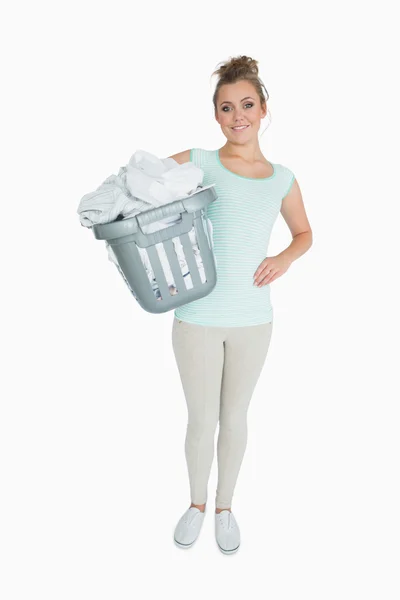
<point>221,341</point>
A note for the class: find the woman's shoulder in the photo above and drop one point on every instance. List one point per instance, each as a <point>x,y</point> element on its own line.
<point>202,151</point>
<point>201,157</point>
<point>286,174</point>
<point>282,168</point>
<point>285,178</point>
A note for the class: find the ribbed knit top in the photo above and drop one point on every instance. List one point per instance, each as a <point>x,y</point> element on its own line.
<point>242,218</point>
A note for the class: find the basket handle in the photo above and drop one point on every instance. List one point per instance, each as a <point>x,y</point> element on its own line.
<point>160,212</point>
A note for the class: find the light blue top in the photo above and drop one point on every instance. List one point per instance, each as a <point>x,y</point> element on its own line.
<point>242,218</point>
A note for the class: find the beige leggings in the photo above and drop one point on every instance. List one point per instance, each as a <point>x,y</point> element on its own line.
<point>219,368</point>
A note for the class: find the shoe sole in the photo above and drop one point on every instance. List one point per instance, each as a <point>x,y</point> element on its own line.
<point>184,546</point>
<point>229,551</point>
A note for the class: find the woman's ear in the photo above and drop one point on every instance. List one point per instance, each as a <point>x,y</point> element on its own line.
<point>264,111</point>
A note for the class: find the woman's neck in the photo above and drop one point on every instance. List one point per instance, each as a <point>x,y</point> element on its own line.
<point>249,153</point>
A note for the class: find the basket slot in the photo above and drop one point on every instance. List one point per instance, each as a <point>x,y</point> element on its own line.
<point>190,259</point>
<point>202,237</point>
<point>158,271</point>
<point>174,264</point>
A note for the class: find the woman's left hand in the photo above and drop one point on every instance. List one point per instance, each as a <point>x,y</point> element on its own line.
<point>270,269</point>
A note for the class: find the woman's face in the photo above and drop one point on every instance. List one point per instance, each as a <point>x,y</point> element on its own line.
<point>239,104</point>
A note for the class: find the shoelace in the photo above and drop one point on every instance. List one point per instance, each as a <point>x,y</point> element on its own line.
<point>231,524</point>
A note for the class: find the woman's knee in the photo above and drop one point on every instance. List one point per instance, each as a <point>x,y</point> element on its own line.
<point>198,427</point>
<point>233,420</point>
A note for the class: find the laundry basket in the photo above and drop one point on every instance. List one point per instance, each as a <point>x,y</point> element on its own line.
<point>127,240</point>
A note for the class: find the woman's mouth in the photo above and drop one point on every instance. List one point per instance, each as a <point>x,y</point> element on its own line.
<point>241,128</point>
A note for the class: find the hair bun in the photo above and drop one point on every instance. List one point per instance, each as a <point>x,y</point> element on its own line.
<point>238,66</point>
<point>244,62</point>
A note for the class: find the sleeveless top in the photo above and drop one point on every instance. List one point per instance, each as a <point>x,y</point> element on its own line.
<point>242,217</point>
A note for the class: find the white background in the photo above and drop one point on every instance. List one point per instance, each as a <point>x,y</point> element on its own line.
<point>93,415</point>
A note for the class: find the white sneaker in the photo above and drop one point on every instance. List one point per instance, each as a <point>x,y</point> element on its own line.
<point>188,527</point>
<point>227,532</point>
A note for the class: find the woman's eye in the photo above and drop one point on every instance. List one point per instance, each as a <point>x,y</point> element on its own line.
<point>247,104</point>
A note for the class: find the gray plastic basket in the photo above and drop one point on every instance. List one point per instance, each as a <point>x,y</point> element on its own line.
<point>126,235</point>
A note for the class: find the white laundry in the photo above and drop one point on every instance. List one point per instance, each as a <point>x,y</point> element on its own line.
<point>109,201</point>
<point>132,191</point>
<point>150,179</point>
<point>151,164</point>
<point>148,182</point>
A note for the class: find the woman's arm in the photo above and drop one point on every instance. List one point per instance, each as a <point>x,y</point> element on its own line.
<point>294,213</point>
<point>181,157</point>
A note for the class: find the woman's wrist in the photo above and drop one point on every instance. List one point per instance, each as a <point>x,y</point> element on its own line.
<point>298,246</point>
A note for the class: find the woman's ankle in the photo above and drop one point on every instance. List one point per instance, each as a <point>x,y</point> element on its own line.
<point>201,507</point>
